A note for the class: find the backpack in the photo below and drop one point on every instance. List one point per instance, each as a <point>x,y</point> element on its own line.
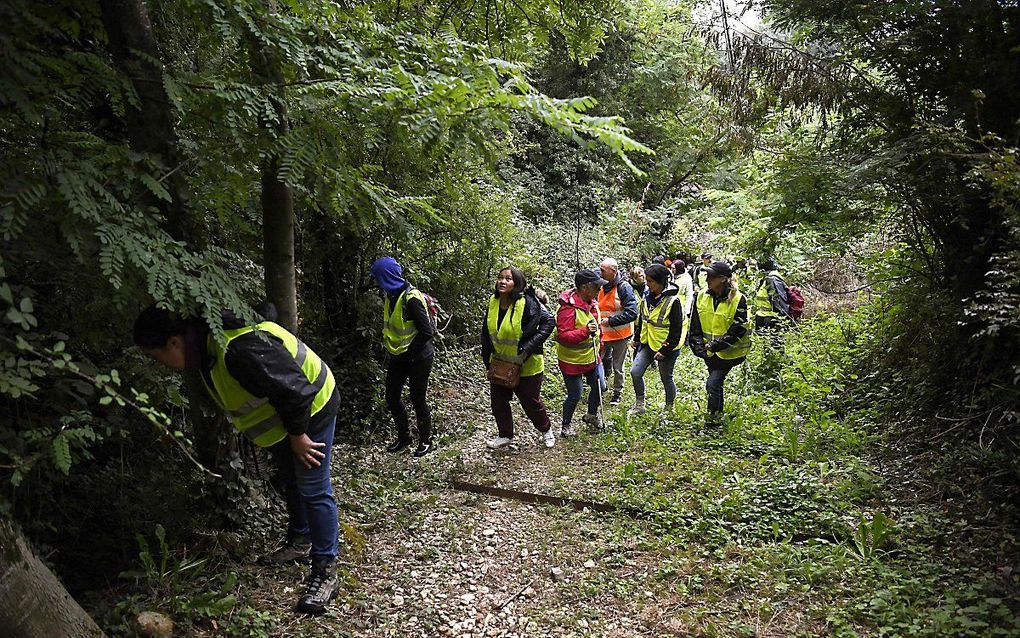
<point>432,305</point>
<point>796,302</point>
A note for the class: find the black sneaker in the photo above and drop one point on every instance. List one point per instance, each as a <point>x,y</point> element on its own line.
<point>322,587</point>
<point>423,449</point>
<point>293,550</point>
<point>398,445</point>
<point>617,398</point>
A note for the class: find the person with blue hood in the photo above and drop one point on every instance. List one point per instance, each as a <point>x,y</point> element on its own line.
<point>407,335</point>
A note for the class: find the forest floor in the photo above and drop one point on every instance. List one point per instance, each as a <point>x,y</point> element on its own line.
<point>743,530</point>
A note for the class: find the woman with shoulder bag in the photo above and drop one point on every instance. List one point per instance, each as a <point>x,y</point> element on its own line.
<point>514,332</point>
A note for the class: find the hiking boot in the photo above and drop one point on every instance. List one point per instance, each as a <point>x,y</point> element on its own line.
<point>422,449</point>
<point>323,585</point>
<point>639,407</point>
<point>713,419</point>
<point>293,550</point>
<point>568,430</point>
<point>592,420</point>
<point>617,398</point>
<point>398,445</point>
<point>498,443</point>
<point>548,438</point>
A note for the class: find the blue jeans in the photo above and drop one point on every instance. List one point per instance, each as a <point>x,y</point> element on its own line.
<point>311,506</point>
<point>642,359</point>
<point>575,385</point>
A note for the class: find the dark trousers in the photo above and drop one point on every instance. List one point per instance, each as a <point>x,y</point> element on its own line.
<point>717,371</point>
<point>529,393</point>
<point>311,506</point>
<point>414,372</point>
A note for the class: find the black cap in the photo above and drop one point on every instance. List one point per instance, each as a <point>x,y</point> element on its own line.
<point>706,255</point>
<point>769,264</point>
<point>719,269</point>
<point>587,276</point>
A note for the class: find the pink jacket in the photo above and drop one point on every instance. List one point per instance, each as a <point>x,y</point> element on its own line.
<point>567,331</point>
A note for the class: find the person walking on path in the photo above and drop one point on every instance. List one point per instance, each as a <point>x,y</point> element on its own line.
<point>684,284</point>
<point>658,335</point>
<point>720,333</point>
<point>577,347</point>
<point>771,299</point>
<point>407,334</point>
<point>618,307</point>
<point>515,329</point>
<point>701,272</point>
<point>281,396</point>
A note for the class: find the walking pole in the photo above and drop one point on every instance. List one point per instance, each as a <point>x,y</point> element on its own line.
<point>598,362</point>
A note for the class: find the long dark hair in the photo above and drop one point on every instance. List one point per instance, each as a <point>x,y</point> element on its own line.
<point>520,283</point>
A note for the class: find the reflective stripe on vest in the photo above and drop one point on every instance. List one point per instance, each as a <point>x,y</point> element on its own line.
<point>398,333</point>
<point>583,353</point>
<point>254,416</point>
<point>610,306</point>
<point>715,321</point>
<point>762,301</point>
<point>506,337</point>
<point>655,323</point>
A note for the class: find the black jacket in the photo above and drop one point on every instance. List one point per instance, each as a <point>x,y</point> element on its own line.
<point>676,321</point>
<point>265,368</point>
<point>695,336</point>
<point>536,327</point>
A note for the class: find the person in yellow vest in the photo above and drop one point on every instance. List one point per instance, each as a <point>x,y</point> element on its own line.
<point>684,284</point>
<point>282,396</point>
<point>658,335</point>
<point>515,328</point>
<point>720,332</point>
<point>577,347</point>
<point>407,335</point>
<point>701,272</point>
<point>618,307</point>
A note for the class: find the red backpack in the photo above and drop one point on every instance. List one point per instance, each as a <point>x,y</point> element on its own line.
<point>796,299</point>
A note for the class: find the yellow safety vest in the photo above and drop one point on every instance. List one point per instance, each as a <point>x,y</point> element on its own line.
<point>254,416</point>
<point>762,302</point>
<point>398,332</point>
<point>716,320</point>
<point>506,337</point>
<point>583,353</point>
<point>655,323</point>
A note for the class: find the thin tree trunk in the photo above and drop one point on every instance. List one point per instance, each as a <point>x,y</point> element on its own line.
<point>277,200</point>
<point>150,124</point>
<point>33,602</point>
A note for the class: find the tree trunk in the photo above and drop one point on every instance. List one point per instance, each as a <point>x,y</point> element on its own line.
<point>150,124</point>
<point>278,243</point>
<point>33,602</point>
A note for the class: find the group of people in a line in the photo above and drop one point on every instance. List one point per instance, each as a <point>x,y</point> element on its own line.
<point>283,397</point>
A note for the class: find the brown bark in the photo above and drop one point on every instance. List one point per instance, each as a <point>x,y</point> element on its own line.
<point>33,602</point>
<point>150,123</point>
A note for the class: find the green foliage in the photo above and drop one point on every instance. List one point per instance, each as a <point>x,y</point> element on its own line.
<point>872,535</point>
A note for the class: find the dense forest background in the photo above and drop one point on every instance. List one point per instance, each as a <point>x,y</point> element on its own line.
<point>210,154</point>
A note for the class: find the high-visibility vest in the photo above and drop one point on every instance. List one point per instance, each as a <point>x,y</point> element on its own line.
<point>583,353</point>
<point>610,306</point>
<point>655,323</point>
<point>702,278</point>
<point>506,337</point>
<point>254,416</point>
<point>762,301</point>
<point>716,320</point>
<point>398,332</point>
<point>685,288</point>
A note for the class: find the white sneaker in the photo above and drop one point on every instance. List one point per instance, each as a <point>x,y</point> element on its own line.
<point>549,438</point>
<point>568,430</point>
<point>498,443</point>
<point>639,407</point>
